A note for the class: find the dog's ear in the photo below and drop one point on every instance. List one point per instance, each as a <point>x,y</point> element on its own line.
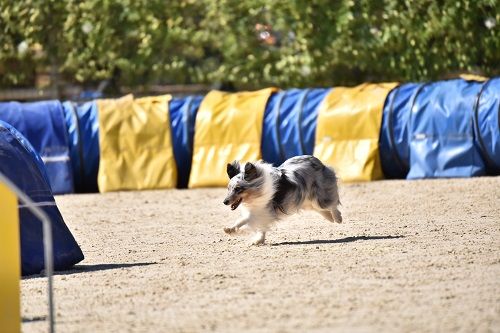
<point>233,169</point>
<point>250,172</point>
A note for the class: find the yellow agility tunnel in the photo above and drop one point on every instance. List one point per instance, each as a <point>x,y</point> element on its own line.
<point>348,130</point>
<point>10,259</point>
<point>135,144</point>
<point>228,127</point>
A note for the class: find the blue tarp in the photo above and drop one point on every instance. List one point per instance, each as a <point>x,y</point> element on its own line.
<point>42,123</point>
<point>487,124</point>
<point>182,120</point>
<point>394,144</point>
<point>441,131</point>
<point>290,124</point>
<point>83,130</point>
<point>23,166</point>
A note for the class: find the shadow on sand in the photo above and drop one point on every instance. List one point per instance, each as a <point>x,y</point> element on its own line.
<point>91,268</point>
<point>337,241</point>
<point>33,319</point>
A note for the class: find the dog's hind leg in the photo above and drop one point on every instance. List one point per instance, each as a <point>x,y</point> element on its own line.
<point>337,215</point>
<point>333,215</point>
<point>327,215</point>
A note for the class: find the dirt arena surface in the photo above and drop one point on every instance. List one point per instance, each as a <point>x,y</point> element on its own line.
<point>411,256</point>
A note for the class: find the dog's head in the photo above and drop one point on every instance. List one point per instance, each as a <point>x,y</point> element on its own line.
<point>243,183</point>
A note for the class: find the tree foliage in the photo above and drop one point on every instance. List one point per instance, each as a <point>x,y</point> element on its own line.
<point>247,43</point>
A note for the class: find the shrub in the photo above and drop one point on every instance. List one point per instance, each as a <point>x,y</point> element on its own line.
<point>247,43</point>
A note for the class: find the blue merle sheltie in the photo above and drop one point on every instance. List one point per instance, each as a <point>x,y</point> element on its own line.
<point>269,194</point>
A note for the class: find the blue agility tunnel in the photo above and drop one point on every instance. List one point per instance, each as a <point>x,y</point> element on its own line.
<point>487,124</point>
<point>394,143</point>
<point>42,123</point>
<point>441,131</point>
<point>290,124</point>
<point>83,130</point>
<point>23,166</point>
<point>182,121</point>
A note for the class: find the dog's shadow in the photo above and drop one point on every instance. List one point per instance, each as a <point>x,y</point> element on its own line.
<point>337,241</point>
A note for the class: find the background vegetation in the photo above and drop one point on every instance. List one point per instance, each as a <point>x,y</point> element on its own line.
<point>246,43</point>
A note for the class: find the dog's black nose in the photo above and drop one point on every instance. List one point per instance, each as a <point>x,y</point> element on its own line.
<point>226,202</point>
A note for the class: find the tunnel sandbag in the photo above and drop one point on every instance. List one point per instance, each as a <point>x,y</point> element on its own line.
<point>83,130</point>
<point>20,163</point>
<point>290,124</point>
<point>348,130</point>
<point>183,117</point>
<point>135,144</point>
<point>228,127</point>
<point>43,124</point>
<point>394,143</point>
<point>487,124</point>
<point>441,131</point>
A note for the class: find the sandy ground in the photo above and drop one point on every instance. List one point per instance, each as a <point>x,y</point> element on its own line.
<point>411,256</point>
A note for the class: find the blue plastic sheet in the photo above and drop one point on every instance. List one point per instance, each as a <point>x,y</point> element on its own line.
<point>83,131</point>
<point>182,121</point>
<point>487,124</point>
<point>441,131</point>
<point>43,124</point>
<point>23,166</point>
<point>290,124</point>
<point>394,144</point>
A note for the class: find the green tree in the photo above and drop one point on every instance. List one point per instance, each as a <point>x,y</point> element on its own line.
<point>247,43</point>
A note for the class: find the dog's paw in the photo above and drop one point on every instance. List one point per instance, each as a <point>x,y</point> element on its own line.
<point>230,230</point>
<point>257,242</point>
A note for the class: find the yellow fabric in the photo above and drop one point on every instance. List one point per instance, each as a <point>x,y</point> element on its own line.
<point>473,77</point>
<point>348,129</point>
<point>10,261</point>
<point>228,127</point>
<point>135,144</point>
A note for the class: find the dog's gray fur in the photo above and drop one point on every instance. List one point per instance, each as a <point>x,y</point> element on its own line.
<point>269,194</point>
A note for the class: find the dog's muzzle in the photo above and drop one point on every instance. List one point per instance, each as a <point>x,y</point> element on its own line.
<point>234,205</point>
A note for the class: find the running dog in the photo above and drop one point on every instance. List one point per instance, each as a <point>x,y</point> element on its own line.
<point>269,194</point>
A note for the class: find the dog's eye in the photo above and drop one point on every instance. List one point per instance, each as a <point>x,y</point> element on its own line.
<point>238,189</point>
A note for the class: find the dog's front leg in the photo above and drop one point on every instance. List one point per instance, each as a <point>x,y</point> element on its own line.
<point>259,238</point>
<point>241,222</point>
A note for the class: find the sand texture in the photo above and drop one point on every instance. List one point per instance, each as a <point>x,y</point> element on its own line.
<point>411,256</point>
